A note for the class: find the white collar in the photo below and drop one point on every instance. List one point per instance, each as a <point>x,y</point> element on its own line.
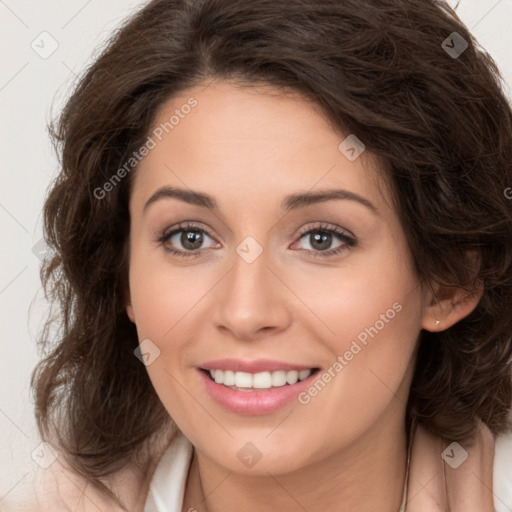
<point>167,487</point>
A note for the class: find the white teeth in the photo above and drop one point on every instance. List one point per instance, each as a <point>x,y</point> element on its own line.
<point>278,378</point>
<point>229,378</point>
<point>292,377</point>
<point>304,374</point>
<point>262,380</point>
<point>242,379</point>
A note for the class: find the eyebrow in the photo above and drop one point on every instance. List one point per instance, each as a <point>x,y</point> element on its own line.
<point>291,202</point>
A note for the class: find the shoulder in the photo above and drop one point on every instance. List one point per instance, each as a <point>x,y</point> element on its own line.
<point>60,489</point>
<point>452,476</point>
<point>502,474</point>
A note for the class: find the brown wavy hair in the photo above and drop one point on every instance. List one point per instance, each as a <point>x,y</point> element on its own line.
<point>441,126</point>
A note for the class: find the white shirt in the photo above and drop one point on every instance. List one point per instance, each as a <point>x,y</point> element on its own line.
<point>167,486</point>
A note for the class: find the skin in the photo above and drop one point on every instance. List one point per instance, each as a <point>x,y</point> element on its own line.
<point>249,148</point>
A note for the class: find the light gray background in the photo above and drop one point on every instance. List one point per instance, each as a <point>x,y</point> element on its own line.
<point>28,85</point>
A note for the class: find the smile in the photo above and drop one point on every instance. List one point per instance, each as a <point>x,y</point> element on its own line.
<point>254,387</point>
<point>262,380</point>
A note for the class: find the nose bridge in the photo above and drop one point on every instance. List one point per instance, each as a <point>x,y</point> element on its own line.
<point>252,298</point>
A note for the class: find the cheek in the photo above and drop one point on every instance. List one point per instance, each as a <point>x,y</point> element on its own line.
<point>368,309</point>
<point>375,295</point>
<point>164,296</point>
<point>164,301</point>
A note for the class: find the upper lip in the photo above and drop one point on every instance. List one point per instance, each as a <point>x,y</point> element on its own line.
<point>254,366</point>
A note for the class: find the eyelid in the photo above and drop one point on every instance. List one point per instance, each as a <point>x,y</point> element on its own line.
<point>323,226</point>
<point>185,226</point>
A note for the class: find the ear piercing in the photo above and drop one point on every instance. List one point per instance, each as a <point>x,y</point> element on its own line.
<point>438,322</point>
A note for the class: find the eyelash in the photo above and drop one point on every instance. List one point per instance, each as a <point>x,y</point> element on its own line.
<point>348,241</point>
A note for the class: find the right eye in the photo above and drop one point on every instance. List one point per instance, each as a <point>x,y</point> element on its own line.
<point>191,238</point>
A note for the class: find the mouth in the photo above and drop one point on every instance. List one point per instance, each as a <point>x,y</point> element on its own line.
<point>257,387</point>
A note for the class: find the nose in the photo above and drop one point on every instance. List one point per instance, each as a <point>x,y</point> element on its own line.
<point>252,300</point>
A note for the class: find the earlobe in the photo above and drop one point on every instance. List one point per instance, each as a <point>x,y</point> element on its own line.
<point>129,307</point>
<point>129,312</point>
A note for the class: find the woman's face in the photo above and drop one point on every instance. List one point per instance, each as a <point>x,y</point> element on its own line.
<point>274,274</point>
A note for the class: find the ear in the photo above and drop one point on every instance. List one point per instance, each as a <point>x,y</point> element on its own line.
<point>129,311</point>
<point>448,305</point>
<point>129,307</point>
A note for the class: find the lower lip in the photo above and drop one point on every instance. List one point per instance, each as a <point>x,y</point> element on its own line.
<point>253,402</point>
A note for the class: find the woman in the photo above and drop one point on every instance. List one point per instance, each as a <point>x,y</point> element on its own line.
<point>282,253</point>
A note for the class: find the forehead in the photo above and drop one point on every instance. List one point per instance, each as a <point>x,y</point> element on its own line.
<point>247,144</point>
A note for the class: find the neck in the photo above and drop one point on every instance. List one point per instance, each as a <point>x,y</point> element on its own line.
<point>367,475</point>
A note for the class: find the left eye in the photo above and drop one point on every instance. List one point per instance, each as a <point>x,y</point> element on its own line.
<point>321,240</point>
